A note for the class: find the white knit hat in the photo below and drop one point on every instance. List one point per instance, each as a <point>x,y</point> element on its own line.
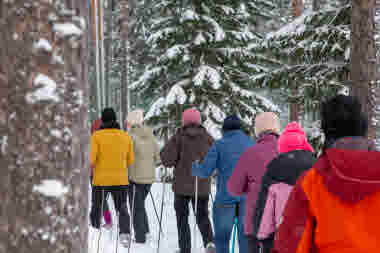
<point>135,117</point>
<point>267,121</point>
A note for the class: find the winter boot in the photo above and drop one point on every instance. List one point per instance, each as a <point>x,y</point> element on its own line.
<point>125,240</point>
<point>210,248</point>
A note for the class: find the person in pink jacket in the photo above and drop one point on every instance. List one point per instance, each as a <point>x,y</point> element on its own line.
<point>252,165</point>
<point>296,157</point>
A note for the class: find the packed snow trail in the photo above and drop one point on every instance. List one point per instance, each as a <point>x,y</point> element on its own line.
<point>169,239</point>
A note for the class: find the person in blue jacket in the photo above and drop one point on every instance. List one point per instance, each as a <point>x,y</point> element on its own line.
<point>223,156</point>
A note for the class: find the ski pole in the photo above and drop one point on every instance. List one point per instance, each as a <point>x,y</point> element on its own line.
<point>234,232</point>
<point>155,210</point>
<point>101,215</point>
<point>195,212</point>
<point>235,227</point>
<point>117,232</point>
<point>212,197</point>
<point>132,214</point>
<point>161,212</point>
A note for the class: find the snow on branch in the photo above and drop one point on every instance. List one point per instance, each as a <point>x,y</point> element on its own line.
<point>156,108</point>
<point>176,94</point>
<point>189,15</point>
<point>219,32</point>
<point>208,73</point>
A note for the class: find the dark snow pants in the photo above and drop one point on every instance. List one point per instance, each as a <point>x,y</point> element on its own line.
<point>181,206</point>
<point>139,193</point>
<point>105,203</point>
<point>119,195</point>
<point>260,246</point>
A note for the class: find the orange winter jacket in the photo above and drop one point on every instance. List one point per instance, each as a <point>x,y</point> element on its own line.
<point>335,207</point>
<point>111,154</point>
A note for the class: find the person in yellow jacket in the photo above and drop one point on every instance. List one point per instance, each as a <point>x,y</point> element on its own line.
<point>111,155</point>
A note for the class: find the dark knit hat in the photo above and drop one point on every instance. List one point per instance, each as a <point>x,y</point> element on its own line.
<point>108,115</point>
<point>232,123</point>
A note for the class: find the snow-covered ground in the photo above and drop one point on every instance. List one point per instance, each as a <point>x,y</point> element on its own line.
<point>169,241</point>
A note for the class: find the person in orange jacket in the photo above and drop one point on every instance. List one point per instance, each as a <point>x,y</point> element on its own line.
<point>334,207</point>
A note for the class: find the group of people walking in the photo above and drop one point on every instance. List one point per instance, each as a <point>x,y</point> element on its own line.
<point>273,190</point>
<point>122,164</point>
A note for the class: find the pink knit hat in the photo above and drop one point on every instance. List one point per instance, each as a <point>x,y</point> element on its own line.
<point>293,138</point>
<point>191,116</point>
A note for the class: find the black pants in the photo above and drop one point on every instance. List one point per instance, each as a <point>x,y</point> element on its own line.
<point>119,195</point>
<point>254,245</point>
<point>181,206</point>
<point>140,217</point>
<point>105,203</point>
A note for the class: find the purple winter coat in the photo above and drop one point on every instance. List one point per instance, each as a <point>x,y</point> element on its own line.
<point>251,167</point>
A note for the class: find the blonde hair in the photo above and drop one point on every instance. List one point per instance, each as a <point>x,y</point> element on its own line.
<point>135,117</point>
<point>267,121</point>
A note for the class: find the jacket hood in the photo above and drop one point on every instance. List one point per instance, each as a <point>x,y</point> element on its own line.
<point>142,131</point>
<point>351,169</point>
<point>193,130</point>
<point>288,167</point>
<point>96,125</point>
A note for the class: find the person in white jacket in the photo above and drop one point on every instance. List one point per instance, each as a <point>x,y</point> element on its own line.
<point>142,174</point>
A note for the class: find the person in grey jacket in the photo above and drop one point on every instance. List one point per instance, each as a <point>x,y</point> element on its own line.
<point>142,174</point>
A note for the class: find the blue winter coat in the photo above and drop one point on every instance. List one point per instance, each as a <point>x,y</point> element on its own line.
<point>223,156</point>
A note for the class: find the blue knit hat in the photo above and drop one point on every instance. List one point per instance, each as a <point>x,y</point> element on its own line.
<point>232,123</point>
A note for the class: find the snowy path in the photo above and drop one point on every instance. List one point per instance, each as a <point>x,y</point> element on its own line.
<point>107,243</point>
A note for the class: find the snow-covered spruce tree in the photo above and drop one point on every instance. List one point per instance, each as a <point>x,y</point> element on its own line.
<point>201,61</point>
<point>311,53</point>
<point>43,126</point>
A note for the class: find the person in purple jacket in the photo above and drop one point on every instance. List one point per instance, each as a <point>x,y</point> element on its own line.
<point>296,157</point>
<point>251,167</point>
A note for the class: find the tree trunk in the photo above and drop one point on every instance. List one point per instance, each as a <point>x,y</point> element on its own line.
<point>376,95</point>
<point>43,126</point>
<point>294,106</point>
<point>127,9</point>
<point>108,51</point>
<point>317,4</point>
<point>124,82</point>
<point>363,60</point>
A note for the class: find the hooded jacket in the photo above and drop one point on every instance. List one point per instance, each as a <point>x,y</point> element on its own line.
<point>248,172</point>
<point>223,157</point>
<point>147,155</point>
<point>189,144</point>
<point>334,206</point>
<point>277,183</point>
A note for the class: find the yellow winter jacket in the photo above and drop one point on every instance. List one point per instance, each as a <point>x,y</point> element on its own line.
<point>111,155</point>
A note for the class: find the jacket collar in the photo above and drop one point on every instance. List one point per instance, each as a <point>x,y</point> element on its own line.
<point>267,135</point>
<point>232,132</point>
